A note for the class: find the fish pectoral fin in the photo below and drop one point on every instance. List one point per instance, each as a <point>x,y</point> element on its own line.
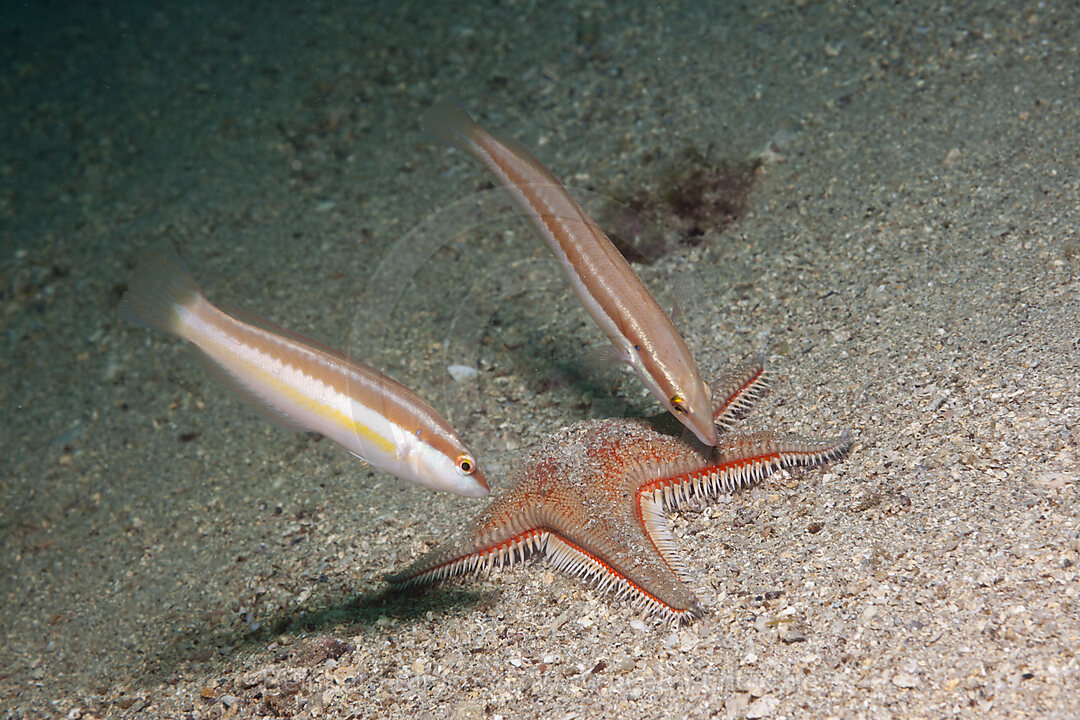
<point>676,313</point>
<point>605,358</point>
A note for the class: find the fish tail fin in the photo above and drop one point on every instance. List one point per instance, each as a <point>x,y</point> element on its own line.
<point>160,291</point>
<point>449,122</point>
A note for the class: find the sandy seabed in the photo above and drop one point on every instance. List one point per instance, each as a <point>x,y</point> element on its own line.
<point>905,246</point>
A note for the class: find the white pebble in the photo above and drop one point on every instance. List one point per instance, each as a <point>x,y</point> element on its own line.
<point>460,373</point>
<point>905,680</point>
<point>761,708</point>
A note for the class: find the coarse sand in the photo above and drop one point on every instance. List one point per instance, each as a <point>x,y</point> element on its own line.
<point>884,196</point>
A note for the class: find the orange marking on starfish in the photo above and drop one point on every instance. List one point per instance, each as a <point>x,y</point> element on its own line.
<point>592,498</point>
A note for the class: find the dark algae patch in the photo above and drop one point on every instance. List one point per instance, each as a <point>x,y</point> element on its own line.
<point>692,196</point>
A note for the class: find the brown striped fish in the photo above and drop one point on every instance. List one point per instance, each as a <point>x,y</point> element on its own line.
<point>603,280</point>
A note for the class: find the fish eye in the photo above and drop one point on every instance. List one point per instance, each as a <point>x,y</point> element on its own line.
<point>678,404</point>
<point>466,464</point>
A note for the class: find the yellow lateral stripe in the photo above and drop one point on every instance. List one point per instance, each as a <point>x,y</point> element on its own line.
<point>288,391</point>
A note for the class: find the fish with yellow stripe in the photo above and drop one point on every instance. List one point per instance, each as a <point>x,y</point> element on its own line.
<point>302,384</point>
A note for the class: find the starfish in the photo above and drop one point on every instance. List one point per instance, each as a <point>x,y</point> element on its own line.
<point>593,498</point>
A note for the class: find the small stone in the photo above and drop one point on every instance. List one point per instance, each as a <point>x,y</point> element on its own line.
<point>1055,480</point>
<point>791,630</point>
<point>461,373</point>
<point>468,710</point>
<point>744,516</point>
<point>229,700</point>
<point>905,680</point>
<point>754,687</point>
<point>252,679</point>
<point>688,642</point>
<point>763,707</point>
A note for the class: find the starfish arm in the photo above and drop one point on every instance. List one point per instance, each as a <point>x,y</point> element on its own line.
<point>654,518</point>
<point>651,590</point>
<point>740,461</point>
<point>738,390</point>
<point>736,463</point>
<point>651,512</point>
<point>486,545</point>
